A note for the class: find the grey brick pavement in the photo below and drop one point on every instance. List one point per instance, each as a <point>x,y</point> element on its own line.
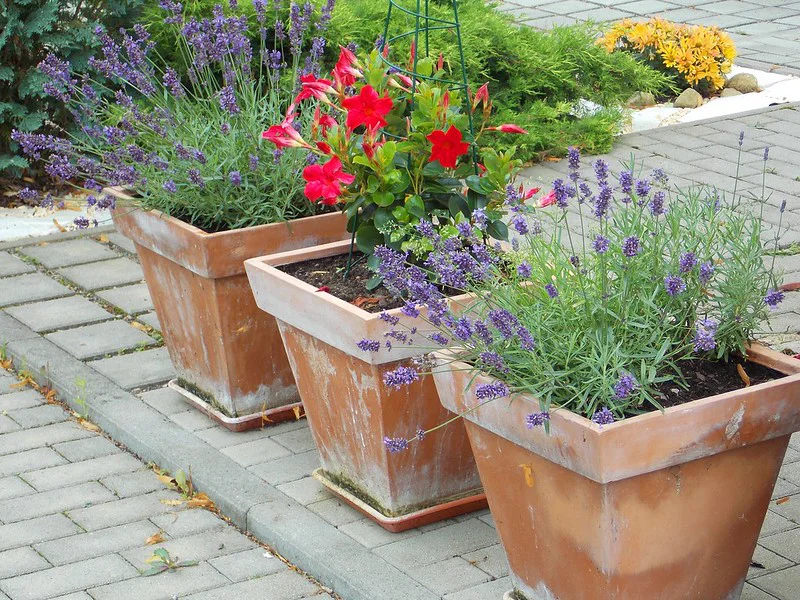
<point>76,511</point>
<point>766,32</point>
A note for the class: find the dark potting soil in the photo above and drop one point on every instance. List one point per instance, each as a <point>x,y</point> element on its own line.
<point>328,275</point>
<point>708,378</point>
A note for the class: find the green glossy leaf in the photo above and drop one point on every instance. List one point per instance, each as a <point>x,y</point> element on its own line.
<point>381,218</point>
<point>383,198</point>
<point>416,206</point>
<point>367,237</point>
<point>458,205</point>
<point>374,282</point>
<point>401,214</point>
<point>498,230</point>
<point>154,570</point>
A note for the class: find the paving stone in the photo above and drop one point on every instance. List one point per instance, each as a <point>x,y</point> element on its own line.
<point>13,487</point>
<point>221,540</point>
<point>255,452</point>
<point>45,503</point>
<point>781,584</point>
<point>287,469</point>
<point>96,543</point>
<point>20,561</point>
<point>219,437</point>
<point>70,252</point>
<point>133,299</point>
<point>68,578</point>
<point>124,511</point>
<point>769,562</point>
<point>38,458</point>
<point>151,319</point>
<point>8,383</point>
<point>78,472</point>
<point>186,523</point>
<point>47,414</point>
<point>103,338</point>
<point>305,490</point>
<point>41,436</point>
<point>371,535</point>
<point>286,585</point>
<point>492,560</point>
<point>60,313</point>
<point>87,448</point>
<point>75,596</point>
<point>178,584</point>
<point>106,274</point>
<point>791,473</point>
<point>299,440</point>
<point>335,511</point>
<point>750,592</point>
<point>120,241</point>
<point>449,575</point>
<point>22,399</point>
<point>787,544</point>
<point>126,485</point>
<point>137,369</point>
<point>29,288</point>
<point>192,420</point>
<point>438,545</point>
<point>166,401</point>
<point>491,589</point>
<point>249,564</point>
<point>25,533</point>
<point>7,424</point>
<point>11,265</point>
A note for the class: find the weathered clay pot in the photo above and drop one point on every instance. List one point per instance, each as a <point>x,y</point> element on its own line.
<point>227,350</point>
<point>350,410</point>
<point>660,506</point>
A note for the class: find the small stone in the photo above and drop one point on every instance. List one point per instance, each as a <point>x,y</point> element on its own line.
<point>689,98</point>
<point>641,100</point>
<point>728,92</point>
<point>744,83</point>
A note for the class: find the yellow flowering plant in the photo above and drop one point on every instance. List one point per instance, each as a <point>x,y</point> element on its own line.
<point>697,56</point>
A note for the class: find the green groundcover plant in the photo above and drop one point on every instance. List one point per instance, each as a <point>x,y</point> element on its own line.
<point>189,146</point>
<point>29,30</point>
<point>592,323</point>
<point>537,77</point>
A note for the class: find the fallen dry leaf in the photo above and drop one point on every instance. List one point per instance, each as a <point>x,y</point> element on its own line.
<point>59,226</point>
<point>298,413</point>
<point>527,472</point>
<point>167,480</point>
<point>50,395</point>
<point>139,326</point>
<point>88,425</point>
<point>103,239</point>
<point>743,375</point>
<point>200,501</point>
<point>170,502</point>
<point>367,301</point>
<point>783,500</point>
<point>156,538</point>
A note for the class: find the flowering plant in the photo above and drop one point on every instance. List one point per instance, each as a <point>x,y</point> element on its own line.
<point>594,320</point>
<point>698,56</point>
<point>189,148</point>
<point>396,153</point>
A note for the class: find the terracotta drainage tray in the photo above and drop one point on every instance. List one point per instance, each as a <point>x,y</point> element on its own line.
<point>290,412</point>
<point>411,520</point>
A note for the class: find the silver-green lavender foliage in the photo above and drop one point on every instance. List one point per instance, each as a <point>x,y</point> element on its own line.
<point>191,148</point>
<point>609,289</point>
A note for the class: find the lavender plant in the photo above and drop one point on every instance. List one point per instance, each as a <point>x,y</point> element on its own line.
<point>607,291</point>
<point>190,148</point>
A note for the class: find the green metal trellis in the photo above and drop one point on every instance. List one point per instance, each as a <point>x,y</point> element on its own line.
<point>425,23</point>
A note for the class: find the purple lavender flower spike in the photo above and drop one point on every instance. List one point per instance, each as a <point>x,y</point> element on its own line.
<point>196,178</point>
<point>537,419</point>
<point>506,323</point>
<point>395,444</point>
<point>551,290</point>
<point>81,222</point>
<point>657,204</point>
<point>439,339</point>
<point>173,83</point>
<point>27,193</point>
<point>366,345</point>
<point>526,340</point>
<point>524,270</point>
<point>420,436</point>
<point>493,360</point>
<point>390,319</point>
<point>520,224</point>
<point>741,138</point>
<point>626,181</point>
<point>766,154</point>
<point>660,176</point>
<point>253,162</point>
<point>705,334</point>
<point>625,386</point>
<point>490,391</point>
<point>600,244</point>
<point>674,285</point>
<point>706,272</point>
<point>601,170</point>
<point>399,377</point>
<point>169,186</point>
<point>227,100</point>
<point>631,246</point>
<point>687,261</point>
<point>464,229</point>
<point>773,298</point>
<point>603,417</point>
<point>480,218</point>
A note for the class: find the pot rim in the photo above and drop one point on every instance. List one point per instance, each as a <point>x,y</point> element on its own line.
<point>362,324</point>
<point>643,443</point>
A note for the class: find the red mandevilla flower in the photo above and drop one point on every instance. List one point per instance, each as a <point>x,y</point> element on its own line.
<point>285,135</point>
<point>367,108</point>
<point>324,181</point>
<point>507,128</point>
<point>314,88</point>
<point>447,146</point>
<point>344,72</point>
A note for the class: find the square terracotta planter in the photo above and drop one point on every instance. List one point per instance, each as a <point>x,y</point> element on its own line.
<point>664,505</point>
<point>350,410</point>
<point>227,352</point>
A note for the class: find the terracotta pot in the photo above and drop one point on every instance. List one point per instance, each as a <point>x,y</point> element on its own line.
<point>660,506</point>
<point>224,348</point>
<point>350,410</point>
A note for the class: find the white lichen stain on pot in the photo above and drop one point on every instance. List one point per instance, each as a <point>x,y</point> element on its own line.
<point>735,423</point>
